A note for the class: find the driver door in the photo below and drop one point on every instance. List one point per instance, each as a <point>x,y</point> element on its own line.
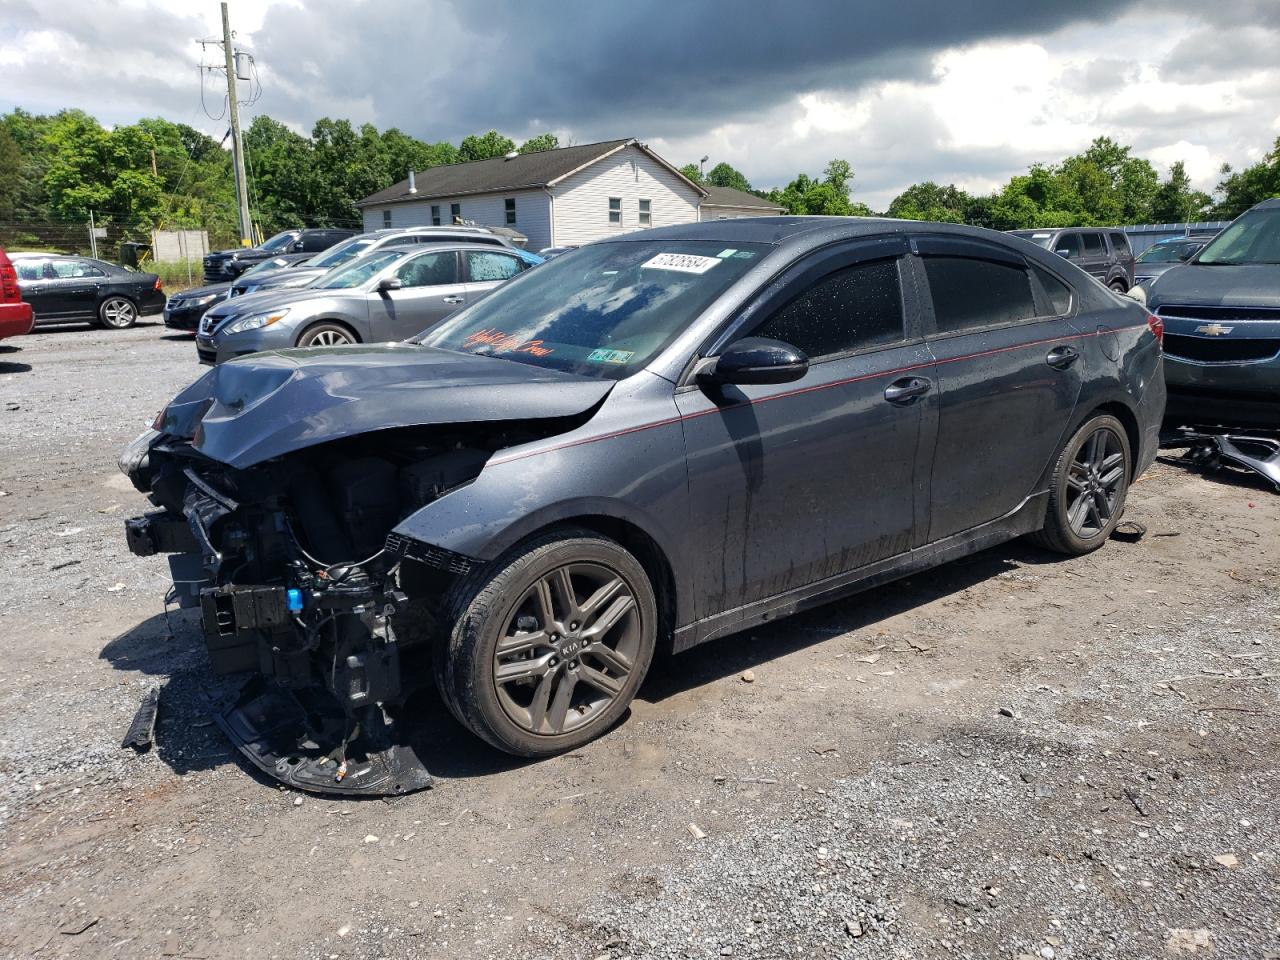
<point>805,481</point>
<point>430,290</point>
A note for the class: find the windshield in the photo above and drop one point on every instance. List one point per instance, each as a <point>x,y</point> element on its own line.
<point>1169,252</point>
<point>602,311</point>
<point>1253,238</point>
<point>354,274</point>
<point>280,241</point>
<point>266,266</point>
<point>343,252</point>
<point>1039,237</point>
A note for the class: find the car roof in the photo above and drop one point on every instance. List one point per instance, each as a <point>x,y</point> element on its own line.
<point>443,245</point>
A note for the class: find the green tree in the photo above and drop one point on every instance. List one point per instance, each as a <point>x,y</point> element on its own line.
<point>543,141</point>
<point>10,172</point>
<point>1175,200</point>
<point>691,172</point>
<point>491,144</point>
<point>723,175</point>
<point>929,201</point>
<point>1238,191</point>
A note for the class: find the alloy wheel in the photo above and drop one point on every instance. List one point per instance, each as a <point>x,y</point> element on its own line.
<point>329,338</point>
<point>1095,481</point>
<point>569,646</point>
<point>119,313</point>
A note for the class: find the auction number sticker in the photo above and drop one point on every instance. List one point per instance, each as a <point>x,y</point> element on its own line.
<point>611,356</point>
<point>680,262</point>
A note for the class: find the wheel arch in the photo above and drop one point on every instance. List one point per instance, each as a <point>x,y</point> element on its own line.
<point>335,321</point>
<point>1127,417</point>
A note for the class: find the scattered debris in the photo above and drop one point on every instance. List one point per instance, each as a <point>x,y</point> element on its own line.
<point>1227,860</point>
<point>76,927</point>
<point>853,928</point>
<point>1007,712</point>
<point>1137,800</point>
<point>870,658</point>
<point>1188,941</point>
<point>696,831</point>
<point>115,588</point>
<point>142,730</point>
<point>748,676</point>
<point>1129,531</point>
<point>1215,451</point>
<point>371,838</point>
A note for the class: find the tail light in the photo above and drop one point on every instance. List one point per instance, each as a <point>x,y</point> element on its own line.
<point>159,284</point>
<point>1157,327</point>
<point>9,290</point>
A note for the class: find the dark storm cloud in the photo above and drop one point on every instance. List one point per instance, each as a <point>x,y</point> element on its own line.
<point>648,67</point>
<point>1216,53</point>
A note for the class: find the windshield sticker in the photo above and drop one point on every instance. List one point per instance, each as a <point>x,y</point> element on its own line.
<point>611,356</point>
<point>506,343</point>
<point>726,254</point>
<point>680,263</point>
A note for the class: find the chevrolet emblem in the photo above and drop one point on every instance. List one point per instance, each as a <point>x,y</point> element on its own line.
<point>1213,329</point>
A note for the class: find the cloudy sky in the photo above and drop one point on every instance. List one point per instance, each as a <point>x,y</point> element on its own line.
<point>907,90</point>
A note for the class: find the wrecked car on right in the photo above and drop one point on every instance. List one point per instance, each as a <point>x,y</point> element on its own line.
<point>1221,313</point>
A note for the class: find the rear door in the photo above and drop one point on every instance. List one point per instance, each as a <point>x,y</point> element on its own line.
<point>486,270</point>
<point>430,290</point>
<point>1008,375</point>
<point>797,483</point>
<point>34,286</point>
<point>1096,260</point>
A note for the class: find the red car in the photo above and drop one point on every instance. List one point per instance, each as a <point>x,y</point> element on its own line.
<point>16,317</point>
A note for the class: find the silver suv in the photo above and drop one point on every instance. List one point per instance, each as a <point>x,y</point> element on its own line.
<point>304,273</point>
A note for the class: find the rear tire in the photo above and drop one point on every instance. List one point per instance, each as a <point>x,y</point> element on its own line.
<point>1088,487</point>
<point>117,313</point>
<point>549,644</point>
<point>326,335</point>
<point>1119,286</point>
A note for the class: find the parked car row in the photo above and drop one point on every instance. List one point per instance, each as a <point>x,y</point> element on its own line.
<point>296,244</point>
<point>67,289</point>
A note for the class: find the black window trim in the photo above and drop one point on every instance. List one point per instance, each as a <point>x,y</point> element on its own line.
<point>788,282</point>
<point>968,248</point>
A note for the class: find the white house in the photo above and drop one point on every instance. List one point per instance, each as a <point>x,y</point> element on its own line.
<point>563,197</point>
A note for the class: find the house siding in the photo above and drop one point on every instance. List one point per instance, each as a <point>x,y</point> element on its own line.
<point>533,213</point>
<point>582,199</point>
<point>730,213</point>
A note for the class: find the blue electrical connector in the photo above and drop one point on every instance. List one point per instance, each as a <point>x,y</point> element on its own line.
<point>294,600</point>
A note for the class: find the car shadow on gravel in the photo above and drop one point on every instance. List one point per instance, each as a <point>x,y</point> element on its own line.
<point>179,337</point>
<point>733,654</point>
<point>187,739</point>
<point>10,367</point>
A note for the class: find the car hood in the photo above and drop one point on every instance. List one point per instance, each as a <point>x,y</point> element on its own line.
<point>196,292</point>
<point>268,404</point>
<point>1245,284</point>
<point>257,301</point>
<point>287,275</point>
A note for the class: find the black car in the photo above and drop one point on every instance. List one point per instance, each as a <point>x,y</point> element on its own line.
<point>186,307</point>
<point>66,289</point>
<point>644,444</point>
<point>229,264</point>
<point>1103,254</point>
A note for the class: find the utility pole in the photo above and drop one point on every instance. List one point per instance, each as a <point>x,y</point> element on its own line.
<point>93,237</point>
<point>237,144</point>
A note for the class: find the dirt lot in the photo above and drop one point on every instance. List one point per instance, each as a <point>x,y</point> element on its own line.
<point>1012,755</point>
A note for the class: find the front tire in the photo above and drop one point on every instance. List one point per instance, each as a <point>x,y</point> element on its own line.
<point>1119,286</point>
<point>1088,488</point>
<point>117,313</point>
<point>326,335</point>
<point>550,644</point>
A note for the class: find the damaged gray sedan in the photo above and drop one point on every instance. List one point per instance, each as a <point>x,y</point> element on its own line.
<point>643,445</point>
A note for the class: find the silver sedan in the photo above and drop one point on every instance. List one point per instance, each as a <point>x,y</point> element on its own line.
<point>387,295</point>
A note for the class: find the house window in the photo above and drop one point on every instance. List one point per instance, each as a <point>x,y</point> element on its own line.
<point>510,203</point>
<point>615,210</point>
<point>455,212</point>
<point>435,214</point>
<point>646,217</point>
<point>386,218</point>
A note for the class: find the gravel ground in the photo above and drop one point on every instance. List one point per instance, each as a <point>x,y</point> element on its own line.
<point>1014,755</point>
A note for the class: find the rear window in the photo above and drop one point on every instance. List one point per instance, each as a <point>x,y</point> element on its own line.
<point>969,293</point>
<point>1119,243</point>
<point>1059,293</point>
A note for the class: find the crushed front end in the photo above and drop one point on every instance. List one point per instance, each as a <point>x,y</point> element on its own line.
<point>289,564</point>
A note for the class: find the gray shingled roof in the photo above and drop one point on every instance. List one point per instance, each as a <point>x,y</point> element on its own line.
<point>729,197</point>
<point>497,175</point>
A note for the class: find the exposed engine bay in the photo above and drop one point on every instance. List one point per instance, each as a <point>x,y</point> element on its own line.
<point>297,581</point>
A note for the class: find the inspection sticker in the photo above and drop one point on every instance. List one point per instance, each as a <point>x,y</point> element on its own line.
<point>680,262</point>
<point>611,356</point>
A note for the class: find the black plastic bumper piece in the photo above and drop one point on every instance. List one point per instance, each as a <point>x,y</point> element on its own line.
<point>297,739</point>
<point>162,532</point>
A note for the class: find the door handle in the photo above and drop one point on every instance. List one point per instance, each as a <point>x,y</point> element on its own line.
<point>454,300</point>
<point>1061,357</point>
<point>907,390</point>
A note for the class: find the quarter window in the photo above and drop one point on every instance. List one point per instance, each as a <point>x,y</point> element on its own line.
<point>386,218</point>
<point>455,211</point>
<point>969,293</point>
<point>482,267</point>
<point>429,270</point>
<point>435,214</point>
<point>1058,292</point>
<point>646,212</point>
<point>510,204</point>
<point>615,210</point>
<point>851,309</point>
<point>1119,243</point>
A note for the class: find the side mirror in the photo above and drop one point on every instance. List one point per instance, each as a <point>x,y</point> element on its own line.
<point>757,360</point>
<point>297,246</point>
<point>1064,254</point>
<point>389,283</point>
